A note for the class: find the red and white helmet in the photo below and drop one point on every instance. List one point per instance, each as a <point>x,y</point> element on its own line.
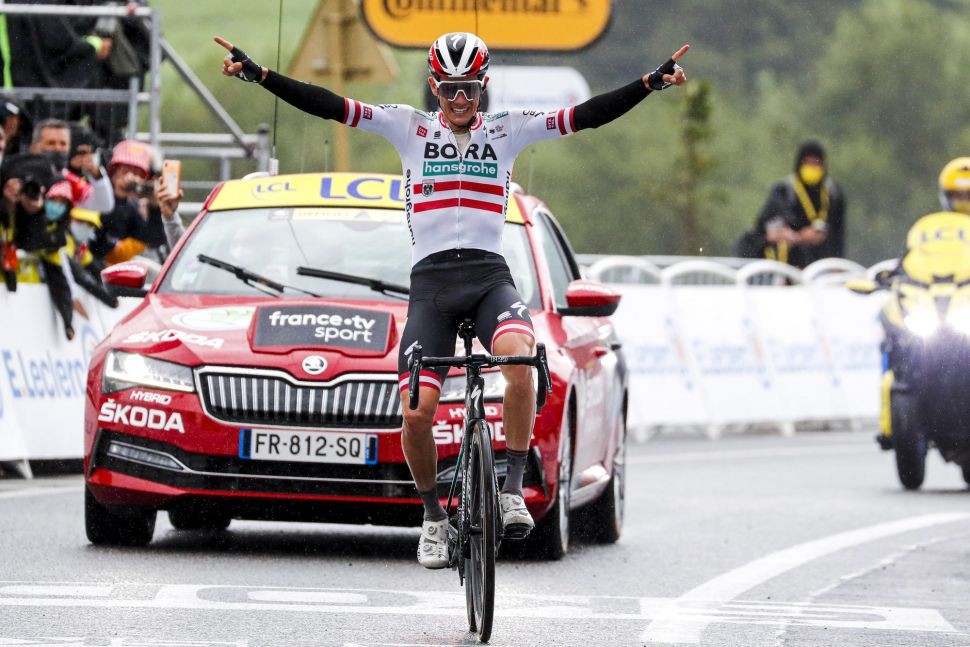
<point>458,54</point>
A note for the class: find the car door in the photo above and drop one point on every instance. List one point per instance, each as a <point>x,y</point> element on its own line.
<point>585,347</point>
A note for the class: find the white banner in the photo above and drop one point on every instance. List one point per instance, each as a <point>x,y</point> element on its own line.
<point>718,355</point>
<point>43,376</point>
<point>663,380</point>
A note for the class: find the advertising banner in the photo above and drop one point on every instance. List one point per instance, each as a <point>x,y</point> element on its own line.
<point>798,353</point>
<point>663,381</point>
<point>43,375</point>
<point>525,24</point>
<point>732,365</point>
<point>850,323</point>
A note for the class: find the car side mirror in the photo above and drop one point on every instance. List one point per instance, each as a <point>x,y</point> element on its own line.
<point>585,298</point>
<point>126,279</point>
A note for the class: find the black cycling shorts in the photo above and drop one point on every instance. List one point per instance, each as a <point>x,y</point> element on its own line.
<point>448,287</point>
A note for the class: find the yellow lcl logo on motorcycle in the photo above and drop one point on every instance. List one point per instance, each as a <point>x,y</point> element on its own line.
<point>524,24</point>
<point>939,245</point>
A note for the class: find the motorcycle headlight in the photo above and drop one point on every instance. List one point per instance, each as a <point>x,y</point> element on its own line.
<point>453,390</point>
<point>960,321</point>
<point>125,370</point>
<point>923,322</point>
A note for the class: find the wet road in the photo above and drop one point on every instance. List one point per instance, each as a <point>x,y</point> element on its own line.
<point>750,540</point>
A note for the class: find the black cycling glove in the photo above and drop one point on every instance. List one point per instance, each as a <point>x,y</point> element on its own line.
<point>251,70</point>
<point>655,80</point>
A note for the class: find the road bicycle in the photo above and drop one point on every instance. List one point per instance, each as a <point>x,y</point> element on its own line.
<point>477,525</point>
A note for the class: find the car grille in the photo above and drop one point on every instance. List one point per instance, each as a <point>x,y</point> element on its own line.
<point>259,398</point>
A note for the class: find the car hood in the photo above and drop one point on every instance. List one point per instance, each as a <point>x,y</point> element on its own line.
<point>195,330</point>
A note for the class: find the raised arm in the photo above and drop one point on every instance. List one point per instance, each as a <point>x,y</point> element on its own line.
<point>309,98</point>
<point>606,107</point>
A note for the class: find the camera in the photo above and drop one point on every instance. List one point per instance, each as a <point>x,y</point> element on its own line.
<point>142,189</point>
<point>30,188</point>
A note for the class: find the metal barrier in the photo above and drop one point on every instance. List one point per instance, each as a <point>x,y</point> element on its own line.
<point>61,102</point>
<point>685,270</point>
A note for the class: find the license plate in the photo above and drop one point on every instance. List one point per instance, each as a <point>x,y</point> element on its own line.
<point>308,446</point>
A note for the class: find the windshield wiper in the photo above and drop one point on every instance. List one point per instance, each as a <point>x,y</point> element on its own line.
<point>374,284</point>
<point>252,279</point>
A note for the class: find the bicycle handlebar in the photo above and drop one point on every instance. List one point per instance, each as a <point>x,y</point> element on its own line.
<point>538,361</point>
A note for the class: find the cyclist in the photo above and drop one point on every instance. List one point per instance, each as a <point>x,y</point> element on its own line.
<point>457,167</point>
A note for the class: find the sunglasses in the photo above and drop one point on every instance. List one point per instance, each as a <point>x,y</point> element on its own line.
<point>449,90</point>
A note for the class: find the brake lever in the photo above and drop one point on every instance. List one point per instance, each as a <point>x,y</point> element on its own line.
<point>545,382</point>
<point>414,379</point>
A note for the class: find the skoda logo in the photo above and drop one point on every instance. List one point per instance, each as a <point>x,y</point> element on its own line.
<point>314,364</point>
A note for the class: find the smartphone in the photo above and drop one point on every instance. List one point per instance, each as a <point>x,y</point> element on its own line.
<point>172,173</point>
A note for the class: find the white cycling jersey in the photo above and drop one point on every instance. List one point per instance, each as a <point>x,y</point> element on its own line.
<point>454,200</point>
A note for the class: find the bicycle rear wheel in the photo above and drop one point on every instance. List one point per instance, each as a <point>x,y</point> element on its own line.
<point>480,488</point>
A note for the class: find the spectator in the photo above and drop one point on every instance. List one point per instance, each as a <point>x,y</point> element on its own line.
<point>52,137</point>
<point>10,124</point>
<point>48,51</point>
<point>163,225</point>
<point>8,202</point>
<point>85,269</point>
<point>41,224</point>
<point>803,218</point>
<point>122,235</point>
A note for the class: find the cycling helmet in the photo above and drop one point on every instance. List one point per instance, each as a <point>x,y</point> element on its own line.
<point>955,185</point>
<point>458,54</point>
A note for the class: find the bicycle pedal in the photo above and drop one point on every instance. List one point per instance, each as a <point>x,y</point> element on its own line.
<point>516,531</point>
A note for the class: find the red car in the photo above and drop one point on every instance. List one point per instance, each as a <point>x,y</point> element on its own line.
<point>242,387</point>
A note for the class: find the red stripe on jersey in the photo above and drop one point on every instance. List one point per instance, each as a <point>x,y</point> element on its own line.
<point>477,122</point>
<point>448,203</point>
<point>572,119</point>
<point>478,187</point>
<point>346,110</point>
<point>357,112</point>
<point>560,118</point>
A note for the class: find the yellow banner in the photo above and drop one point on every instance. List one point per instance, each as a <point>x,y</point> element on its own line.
<point>502,24</point>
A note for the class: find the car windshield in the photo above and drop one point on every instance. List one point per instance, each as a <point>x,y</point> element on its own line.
<point>273,243</point>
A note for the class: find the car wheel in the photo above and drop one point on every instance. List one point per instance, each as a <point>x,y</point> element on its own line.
<point>605,515</point>
<point>551,539</point>
<point>117,526</point>
<point>187,519</point>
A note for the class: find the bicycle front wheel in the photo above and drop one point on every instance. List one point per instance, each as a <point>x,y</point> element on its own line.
<point>480,488</point>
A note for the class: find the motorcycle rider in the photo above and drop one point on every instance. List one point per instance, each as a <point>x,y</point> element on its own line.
<point>457,166</point>
<point>954,185</point>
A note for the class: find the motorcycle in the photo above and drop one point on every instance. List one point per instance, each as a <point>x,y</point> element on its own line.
<point>926,347</point>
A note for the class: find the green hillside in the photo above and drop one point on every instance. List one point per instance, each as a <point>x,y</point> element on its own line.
<point>882,83</point>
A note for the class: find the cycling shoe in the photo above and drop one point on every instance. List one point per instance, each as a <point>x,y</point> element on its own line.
<point>434,547</point>
<point>516,520</point>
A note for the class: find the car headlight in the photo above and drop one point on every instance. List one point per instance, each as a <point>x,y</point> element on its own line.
<point>923,322</point>
<point>453,390</point>
<point>124,370</point>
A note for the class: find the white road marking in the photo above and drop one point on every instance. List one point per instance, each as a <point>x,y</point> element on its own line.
<point>41,491</point>
<point>203,598</point>
<point>59,641</point>
<point>731,455</point>
<point>312,597</point>
<point>680,622</point>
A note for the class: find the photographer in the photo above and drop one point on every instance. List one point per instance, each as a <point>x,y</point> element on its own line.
<point>90,184</point>
<point>41,225</point>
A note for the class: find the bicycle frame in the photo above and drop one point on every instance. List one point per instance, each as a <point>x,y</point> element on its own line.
<point>475,417</point>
